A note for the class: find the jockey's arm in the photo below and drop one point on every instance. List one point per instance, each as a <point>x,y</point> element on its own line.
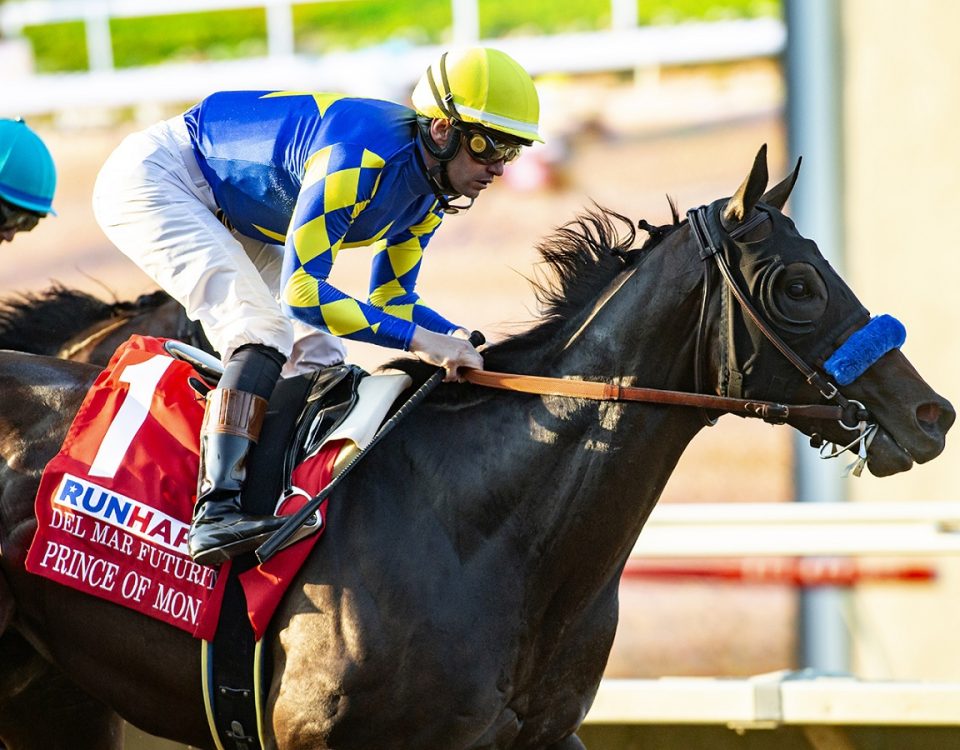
<point>332,194</point>
<point>393,289</point>
<point>325,210</point>
<point>394,272</point>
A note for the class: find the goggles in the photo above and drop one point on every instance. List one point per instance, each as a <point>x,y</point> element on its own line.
<point>19,219</point>
<point>486,149</point>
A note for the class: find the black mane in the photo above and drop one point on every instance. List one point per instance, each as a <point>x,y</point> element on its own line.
<point>41,322</point>
<point>578,261</point>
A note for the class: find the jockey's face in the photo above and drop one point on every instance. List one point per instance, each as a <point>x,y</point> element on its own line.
<point>467,176</point>
<point>14,219</point>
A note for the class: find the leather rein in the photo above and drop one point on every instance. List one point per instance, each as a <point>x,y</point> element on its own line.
<point>850,414</point>
<point>769,411</point>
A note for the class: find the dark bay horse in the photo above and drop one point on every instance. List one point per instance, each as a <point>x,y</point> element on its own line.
<point>465,597</point>
<point>70,324</point>
<point>67,323</point>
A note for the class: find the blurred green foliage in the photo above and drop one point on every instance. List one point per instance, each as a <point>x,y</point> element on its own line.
<point>189,36</point>
<point>328,26</point>
<point>58,46</point>
<point>529,17</point>
<point>349,24</point>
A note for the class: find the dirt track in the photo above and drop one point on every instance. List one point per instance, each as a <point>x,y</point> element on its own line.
<point>629,152</point>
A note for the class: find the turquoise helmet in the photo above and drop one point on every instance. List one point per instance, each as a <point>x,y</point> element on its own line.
<point>28,176</point>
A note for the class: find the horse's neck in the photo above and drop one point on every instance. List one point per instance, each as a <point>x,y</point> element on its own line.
<point>621,455</point>
<point>575,479</point>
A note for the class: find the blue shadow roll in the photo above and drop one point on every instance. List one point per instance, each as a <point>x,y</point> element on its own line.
<point>865,347</point>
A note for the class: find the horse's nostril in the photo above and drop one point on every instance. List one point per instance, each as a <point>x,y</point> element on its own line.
<point>936,418</point>
<point>928,414</point>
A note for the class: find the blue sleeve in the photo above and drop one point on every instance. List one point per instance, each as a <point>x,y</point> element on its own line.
<point>394,276</point>
<point>339,181</point>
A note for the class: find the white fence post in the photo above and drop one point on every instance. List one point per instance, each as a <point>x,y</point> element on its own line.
<point>280,39</point>
<point>466,21</point>
<point>623,14</point>
<point>99,42</point>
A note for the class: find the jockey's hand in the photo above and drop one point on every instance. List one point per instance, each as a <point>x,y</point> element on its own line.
<point>449,352</point>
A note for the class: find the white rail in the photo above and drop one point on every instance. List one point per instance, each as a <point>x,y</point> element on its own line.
<point>96,15</point>
<point>780,698</point>
<point>801,529</point>
<point>387,71</point>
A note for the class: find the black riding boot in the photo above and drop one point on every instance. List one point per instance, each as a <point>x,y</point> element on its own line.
<point>231,426</point>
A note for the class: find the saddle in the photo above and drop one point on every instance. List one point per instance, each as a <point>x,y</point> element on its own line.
<point>301,414</point>
<point>114,505</point>
<point>107,508</point>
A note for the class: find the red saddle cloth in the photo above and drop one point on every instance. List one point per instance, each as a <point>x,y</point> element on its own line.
<point>114,505</point>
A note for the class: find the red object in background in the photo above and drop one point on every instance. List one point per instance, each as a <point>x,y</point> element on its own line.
<point>803,571</point>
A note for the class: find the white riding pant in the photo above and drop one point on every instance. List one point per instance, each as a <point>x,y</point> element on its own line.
<point>154,204</point>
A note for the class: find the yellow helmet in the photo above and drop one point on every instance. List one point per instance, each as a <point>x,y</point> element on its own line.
<point>483,86</point>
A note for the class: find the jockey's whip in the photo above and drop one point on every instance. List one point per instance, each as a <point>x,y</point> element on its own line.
<point>280,537</point>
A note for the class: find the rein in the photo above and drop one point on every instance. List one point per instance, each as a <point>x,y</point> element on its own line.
<point>768,411</point>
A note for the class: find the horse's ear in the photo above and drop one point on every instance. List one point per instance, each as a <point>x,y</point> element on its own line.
<point>749,192</point>
<point>778,194</point>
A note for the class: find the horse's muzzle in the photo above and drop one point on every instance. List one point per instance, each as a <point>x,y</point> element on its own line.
<point>889,456</point>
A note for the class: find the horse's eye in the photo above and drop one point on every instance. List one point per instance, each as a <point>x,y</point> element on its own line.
<point>798,289</point>
<point>794,296</point>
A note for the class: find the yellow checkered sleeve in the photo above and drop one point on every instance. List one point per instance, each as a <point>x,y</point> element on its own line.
<point>338,183</point>
<point>394,275</point>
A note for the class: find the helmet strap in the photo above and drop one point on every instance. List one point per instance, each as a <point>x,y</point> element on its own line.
<point>438,152</point>
<point>445,102</point>
<point>437,175</point>
<point>443,191</point>
<point>449,111</point>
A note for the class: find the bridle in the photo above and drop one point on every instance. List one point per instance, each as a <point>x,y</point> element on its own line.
<point>712,249</point>
<point>850,414</point>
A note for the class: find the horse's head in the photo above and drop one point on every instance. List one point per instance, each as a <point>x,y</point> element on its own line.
<point>804,320</point>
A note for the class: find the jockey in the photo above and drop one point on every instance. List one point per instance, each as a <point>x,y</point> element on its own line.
<point>28,179</point>
<point>239,207</point>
